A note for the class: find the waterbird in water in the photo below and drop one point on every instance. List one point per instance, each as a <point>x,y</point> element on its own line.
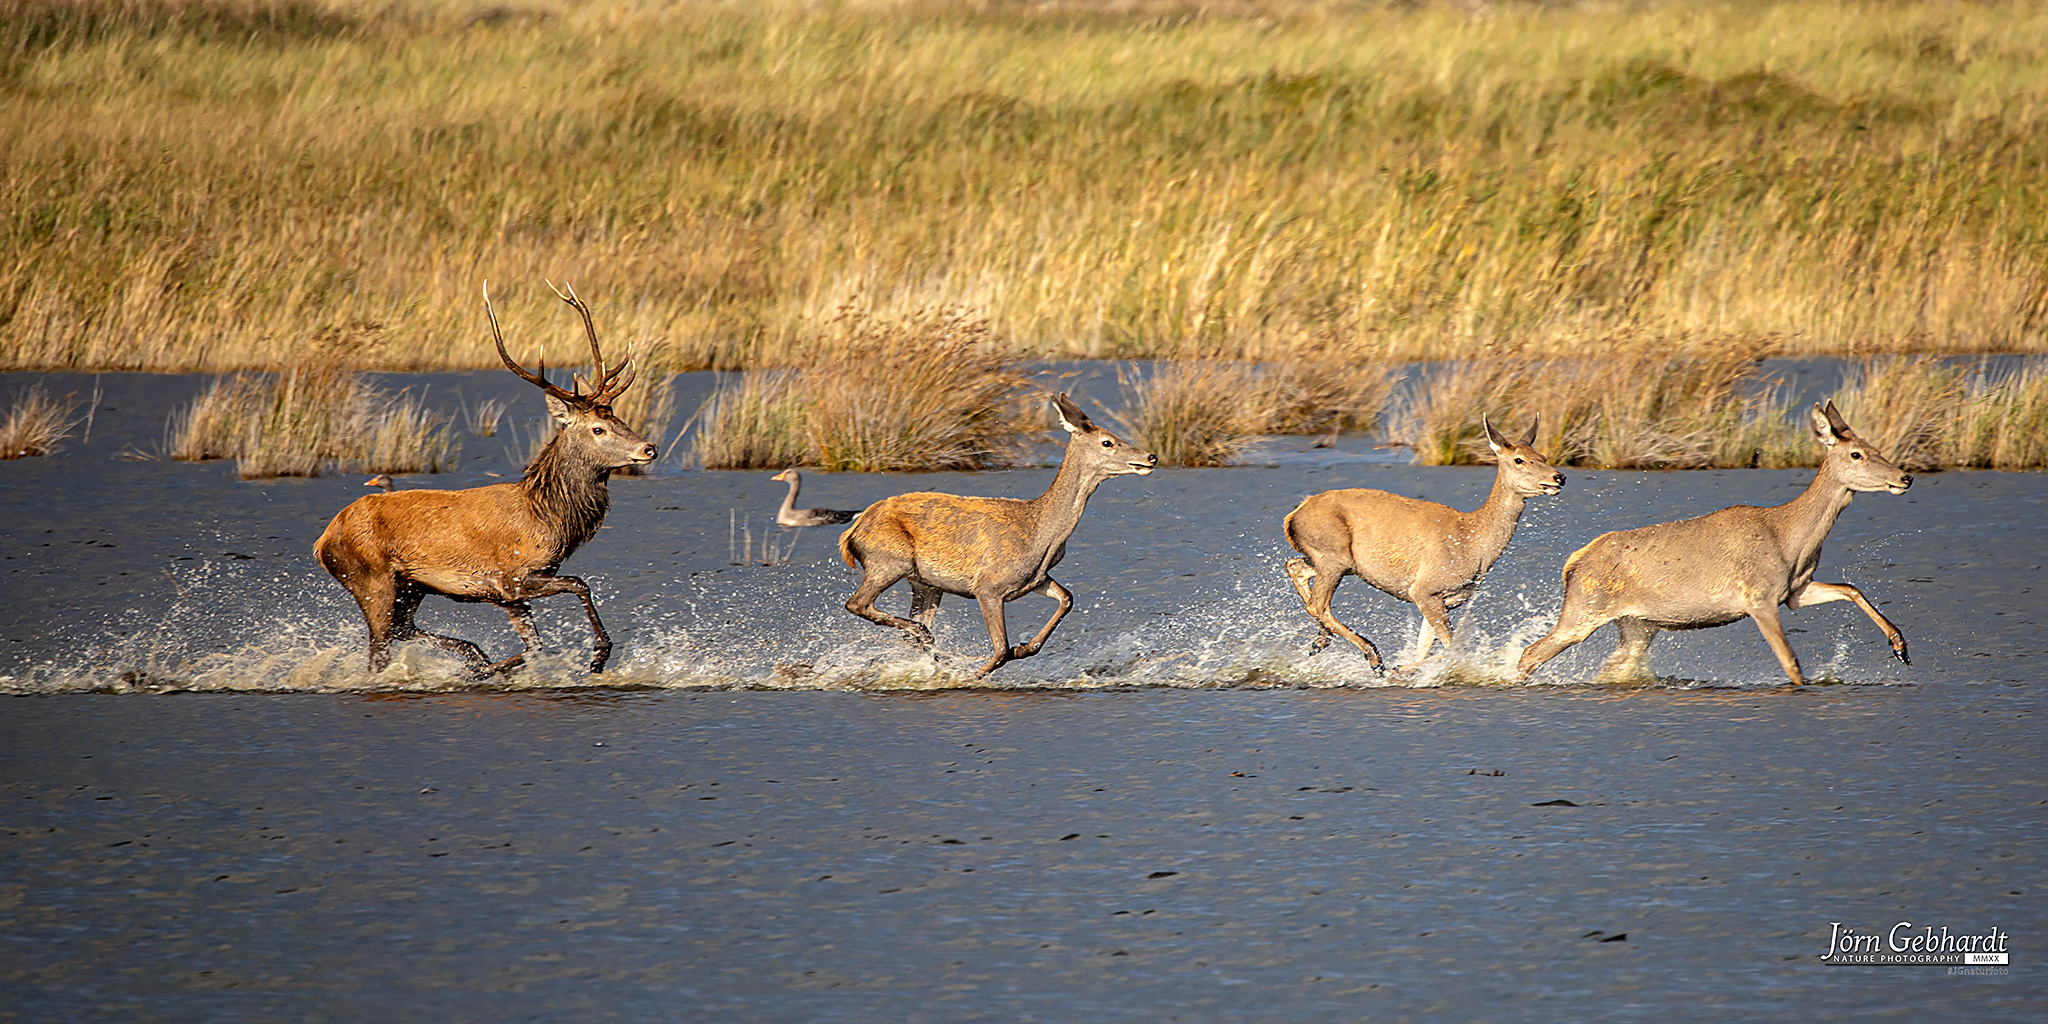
<point>382,482</point>
<point>790,515</point>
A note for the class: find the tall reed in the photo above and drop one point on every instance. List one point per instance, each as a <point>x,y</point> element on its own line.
<point>1206,412</point>
<point>189,181</point>
<point>35,423</point>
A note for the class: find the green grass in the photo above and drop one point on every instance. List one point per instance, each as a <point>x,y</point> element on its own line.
<point>207,185</point>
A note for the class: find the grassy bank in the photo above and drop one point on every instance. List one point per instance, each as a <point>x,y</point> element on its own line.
<point>207,185</point>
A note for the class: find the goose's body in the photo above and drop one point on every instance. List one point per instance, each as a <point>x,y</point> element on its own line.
<point>790,515</point>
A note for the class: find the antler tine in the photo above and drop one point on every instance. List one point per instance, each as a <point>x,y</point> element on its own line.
<point>631,370</point>
<point>598,376</point>
<point>539,380</point>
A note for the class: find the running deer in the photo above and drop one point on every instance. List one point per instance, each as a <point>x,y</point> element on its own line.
<point>993,550</point>
<point>499,544</point>
<point>1430,555</point>
<point>1720,567</point>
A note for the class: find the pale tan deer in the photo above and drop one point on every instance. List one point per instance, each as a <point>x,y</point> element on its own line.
<point>1739,562</point>
<point>993,550</point>
<point>499,544</point>
<point>1430,555</point>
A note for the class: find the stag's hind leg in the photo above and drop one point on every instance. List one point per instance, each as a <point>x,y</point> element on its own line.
<point>408,604</point>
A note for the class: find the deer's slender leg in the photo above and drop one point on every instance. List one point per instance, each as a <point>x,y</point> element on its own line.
<point>1774,634</point>
<point>1821,593</point>
<point>377,597</point>
<point>1319,606</point>
<point>862,603</point>
<point>406,605</point>
<point>1631,657</point>
<point>1050,588</point>
<point>998,630</point>
<point>548,586</point>
<point>1299,574</point>
<point>1439,619</point>
<point>924,603</point>
<point>1573,626</point>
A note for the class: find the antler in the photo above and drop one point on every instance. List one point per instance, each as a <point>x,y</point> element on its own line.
<point>539,380</point>
<point>605,385</point>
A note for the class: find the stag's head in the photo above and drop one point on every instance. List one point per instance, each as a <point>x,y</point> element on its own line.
<point>1852,461</point>
<point>584,420</point>
<point>1101,453</point>
<point>1521,465</point>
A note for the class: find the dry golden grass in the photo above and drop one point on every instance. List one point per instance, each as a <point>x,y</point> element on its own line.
<point>35,423</point>
<point>924,391</point>
<point>1926,414</point>
<point>317,413</point>
<point>1205,412</point>
<point>203,184</point>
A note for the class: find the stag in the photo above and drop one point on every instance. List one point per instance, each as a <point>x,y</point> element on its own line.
<point>1739,562</point>
<point>499,544</point>
<point>1430,555</point>
<point>994,550</point>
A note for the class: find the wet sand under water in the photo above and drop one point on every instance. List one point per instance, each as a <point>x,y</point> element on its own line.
<point>1172,812</point>
<point>1138,855</point>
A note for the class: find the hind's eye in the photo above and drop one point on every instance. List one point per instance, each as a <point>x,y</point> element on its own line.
<point>1855,455</point>
<point>1107,443</point>
<point>1518,462</point>
<point>597,430</point>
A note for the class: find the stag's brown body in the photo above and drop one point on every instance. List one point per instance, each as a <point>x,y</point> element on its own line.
<point>500,544</point>
<point>993,550</point>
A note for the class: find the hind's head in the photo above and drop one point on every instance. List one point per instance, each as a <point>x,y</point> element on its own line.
<point>1521,465</point>
<point>1102,453</point>
<point>1851,461</point>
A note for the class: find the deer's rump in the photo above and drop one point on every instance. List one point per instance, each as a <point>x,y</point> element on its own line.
<point>947,541</point>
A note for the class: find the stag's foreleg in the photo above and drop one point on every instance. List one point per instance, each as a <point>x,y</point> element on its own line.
<point>406,605</point>
<point>548,586</point>
<point>1821,593</point>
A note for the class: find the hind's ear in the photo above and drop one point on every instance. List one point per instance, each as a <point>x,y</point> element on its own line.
<point>1494,438</point>
<point>1071,416</point>
<point>1824,426</point>
<point>1530,441</point>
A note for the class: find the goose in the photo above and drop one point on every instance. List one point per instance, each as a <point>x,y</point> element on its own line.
<point>790,515</point>
<point>381,481</point>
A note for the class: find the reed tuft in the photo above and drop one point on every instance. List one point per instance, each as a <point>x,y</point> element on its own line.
<point>35,423</point>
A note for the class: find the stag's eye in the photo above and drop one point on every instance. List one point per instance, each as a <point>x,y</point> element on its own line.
<point>1107,443</point>
<point>1855,455</point>
<point>597,430</point>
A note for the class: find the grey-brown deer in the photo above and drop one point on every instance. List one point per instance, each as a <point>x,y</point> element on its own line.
<point>1739,562</point>
<point>1430,555</point>
<point>994,550</point>
<point>499,544</point>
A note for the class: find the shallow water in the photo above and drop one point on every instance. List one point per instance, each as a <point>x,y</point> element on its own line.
<point>1174,812</point>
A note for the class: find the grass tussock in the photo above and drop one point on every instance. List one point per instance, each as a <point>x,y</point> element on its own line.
<point>35,423</point>
<point>317,413</point>
<point>1684,409</point>
<point>188,181</point>
<point>1205,412</point>
<point>926,390</point>
<point>1927,414</point>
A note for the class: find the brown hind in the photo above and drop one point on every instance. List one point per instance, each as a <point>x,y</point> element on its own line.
<point>499,544</point>
<point>994,550</point>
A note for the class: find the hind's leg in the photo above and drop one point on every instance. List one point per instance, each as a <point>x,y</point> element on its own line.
<point>880,576</point>
<point>378,597</point>
<point>1630,661</point>
<point>1303,577</point>
<point>1574,624</point>
<point>1439,619</point>
<point>1319,606</point>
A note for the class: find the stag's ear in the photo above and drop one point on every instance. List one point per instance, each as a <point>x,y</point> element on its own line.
<point>1530,441</point>
<point>1071,416</point>
<point>1494,438</point>
<point>1824,427</point>
<point>559,410</point>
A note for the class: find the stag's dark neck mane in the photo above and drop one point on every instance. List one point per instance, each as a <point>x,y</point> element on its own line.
<point>570,498</point>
